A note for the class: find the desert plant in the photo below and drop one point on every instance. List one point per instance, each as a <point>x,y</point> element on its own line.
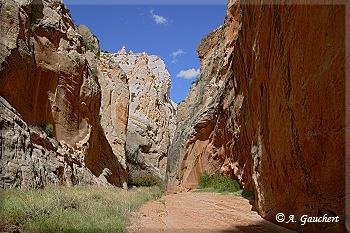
<point>33,26</point>
<point>218,183</point>
<point>90,46</point>
<point>248,194</point>
<point>132,96</point>
<point>70,209</point>
<point>145,180</point>
<point>48,129</point>
<point>205,180</point>
<point>197,80</point>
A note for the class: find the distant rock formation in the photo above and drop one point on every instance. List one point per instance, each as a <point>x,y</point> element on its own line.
<point>47,81</point>
<point>152,120</point>
<point>269,110</point>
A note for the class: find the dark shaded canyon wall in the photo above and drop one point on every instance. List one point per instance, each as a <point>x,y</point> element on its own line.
<point>45,76</point>
<point>290,66</point>
<point>277,123</point>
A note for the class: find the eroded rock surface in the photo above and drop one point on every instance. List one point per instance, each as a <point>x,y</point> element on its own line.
<point>204,136</point>
<point>32,159</point>
<point>272,115</point>
<point>114,111</point>
<point>151,113</point>
<point>46,77</point>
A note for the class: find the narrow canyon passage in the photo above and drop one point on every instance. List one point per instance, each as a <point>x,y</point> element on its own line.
<point>200,212</point>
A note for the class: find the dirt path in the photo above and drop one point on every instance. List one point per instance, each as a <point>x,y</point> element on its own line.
<point>200,212</point>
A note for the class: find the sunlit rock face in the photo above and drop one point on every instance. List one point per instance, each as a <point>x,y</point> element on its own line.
<point>46,80</point>
<point>206,128</point>
<point>151,122</point>
<point>114,111</point>
<point>269,111</point>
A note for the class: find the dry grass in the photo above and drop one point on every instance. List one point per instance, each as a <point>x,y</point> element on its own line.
<point>73,209</point>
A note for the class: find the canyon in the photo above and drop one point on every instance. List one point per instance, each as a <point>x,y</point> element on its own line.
<point>68,110</point>
<point>267,110</point>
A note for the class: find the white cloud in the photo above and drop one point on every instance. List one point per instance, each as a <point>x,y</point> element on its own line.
<point>177,53</point>
<point>158,19</point>
<point>188,74</point>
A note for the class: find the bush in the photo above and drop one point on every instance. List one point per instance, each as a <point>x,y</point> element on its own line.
<point>132,96</point>
<point>218,183</point>
<point>248,194</point>
<point>146,180</point>
<point>33,26</point>
<point>48,129</point>
<point>205,180</point>
<point>90,46</point>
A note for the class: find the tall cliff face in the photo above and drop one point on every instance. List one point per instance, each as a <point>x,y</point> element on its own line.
<point>46,80</point>
<point>114,111</point>
<point>294,114</point>
<point>204,136</point>
<point>151,122</point>
<point>277,121</point>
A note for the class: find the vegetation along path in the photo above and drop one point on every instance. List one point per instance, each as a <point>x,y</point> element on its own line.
<point>200,212</point>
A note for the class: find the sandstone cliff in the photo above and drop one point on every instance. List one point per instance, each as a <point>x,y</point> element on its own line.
<point>151,122</point>
<point>272,113</point>
<point>114,111</point>
<point>47,80</point>
<point>204,136</point>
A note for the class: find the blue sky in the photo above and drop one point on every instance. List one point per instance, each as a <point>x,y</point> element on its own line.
<point>171,32</point>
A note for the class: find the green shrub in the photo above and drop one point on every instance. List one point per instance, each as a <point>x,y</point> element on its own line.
<point>205,180</point>
<point>218,183</point>
<point>90,46</point>
<point>132,96</point>
<point>33,26</point>
<point>248,194</point>
<point>48,129</point>
<point>196,81</point>
<point>146,180</point>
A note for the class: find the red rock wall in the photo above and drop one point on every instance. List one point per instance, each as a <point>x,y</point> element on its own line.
<point>203,139</point>
<point>290,67</point>
<point>45,76</point>
<point>278,122</point>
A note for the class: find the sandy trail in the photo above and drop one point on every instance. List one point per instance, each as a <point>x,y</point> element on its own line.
<point>200,212</point>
